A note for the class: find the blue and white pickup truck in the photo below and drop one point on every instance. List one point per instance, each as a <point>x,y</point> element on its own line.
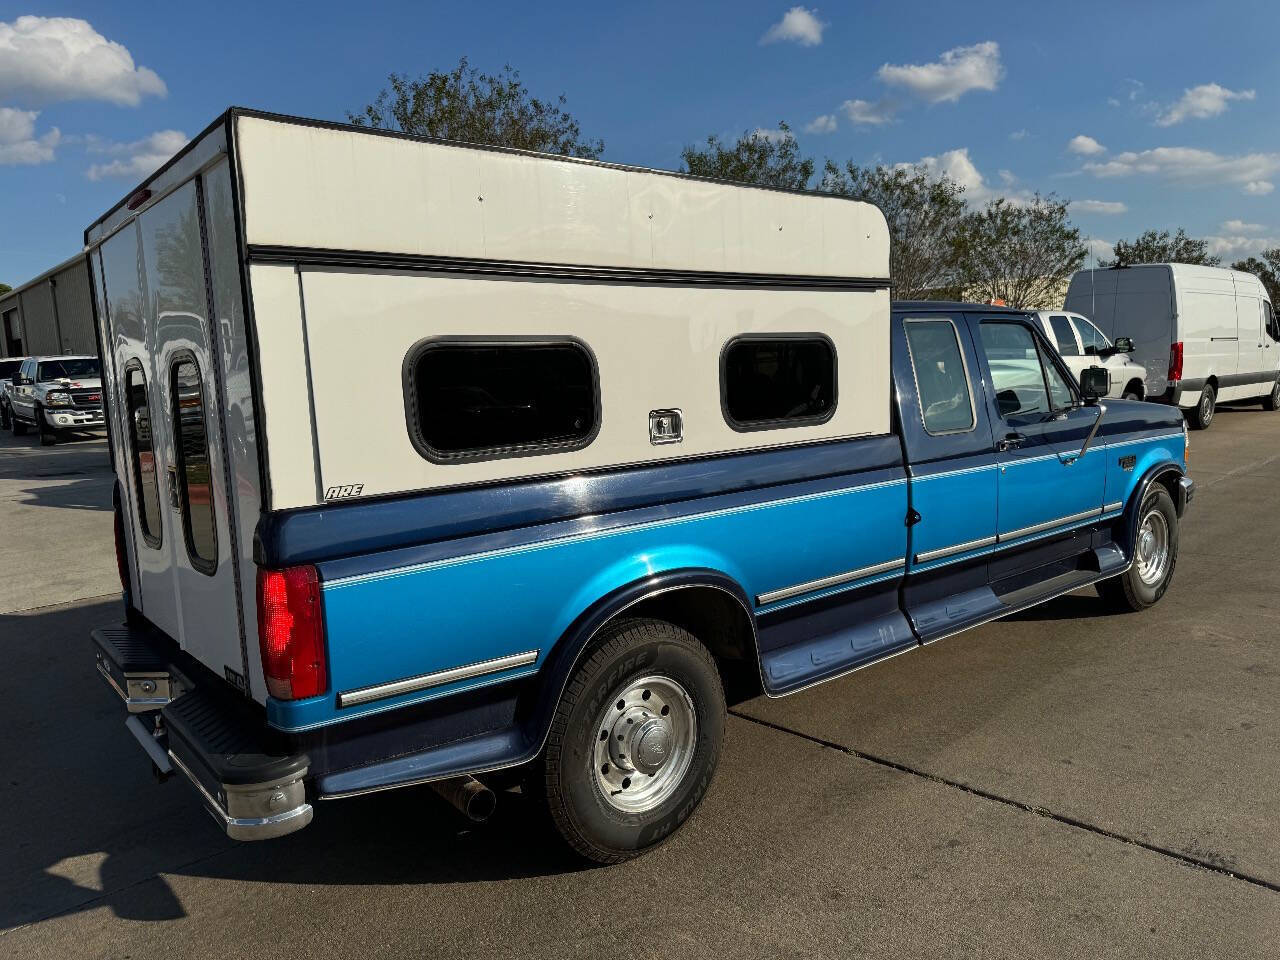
<point>623,436</point>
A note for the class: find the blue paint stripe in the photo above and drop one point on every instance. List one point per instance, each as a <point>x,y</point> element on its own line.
<point>337,530</point>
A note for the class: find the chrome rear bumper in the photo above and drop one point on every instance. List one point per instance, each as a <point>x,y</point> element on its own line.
<point>247,778</point>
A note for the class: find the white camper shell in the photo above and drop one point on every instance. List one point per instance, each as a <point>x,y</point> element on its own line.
<point>258,297</point>
<point>1204,334</point>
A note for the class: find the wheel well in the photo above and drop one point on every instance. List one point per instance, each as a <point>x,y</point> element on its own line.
<point>720,621</point>
<point>1213,382</point>
<point>1137,386</point>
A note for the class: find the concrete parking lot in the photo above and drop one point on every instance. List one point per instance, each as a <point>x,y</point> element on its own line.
<point>1065,783</point>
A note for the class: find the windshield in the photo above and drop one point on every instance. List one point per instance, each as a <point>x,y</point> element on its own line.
<point>68,369</point>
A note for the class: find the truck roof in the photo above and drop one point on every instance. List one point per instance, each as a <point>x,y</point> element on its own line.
<point>946,306</point>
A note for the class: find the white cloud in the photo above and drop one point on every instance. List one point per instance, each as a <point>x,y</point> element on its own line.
<point>1239,226</point>
<point>823,124</point>
<point>19,145</point>
<point>1019,134</point>
<point>798,25</point>
<point>1105,207</point>
<point>138,159</point>
<point>1237,246</point>
<point>956,165</point>
<point>1085,146</point>
<point>1194,166</point>
<point>1206,100</point>
<point>46,59</point>
<point>865,113</point>
<point>954,74</point>
<point>1100,250</point>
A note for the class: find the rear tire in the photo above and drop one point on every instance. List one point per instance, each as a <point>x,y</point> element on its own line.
<point>1155,556</point>
<point>1201,415</point>
<point>634,742</point>
<point>1272,400</point>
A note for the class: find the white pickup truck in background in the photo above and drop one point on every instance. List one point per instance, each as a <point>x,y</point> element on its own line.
<point>56,394</point>
<point>1082,345</point>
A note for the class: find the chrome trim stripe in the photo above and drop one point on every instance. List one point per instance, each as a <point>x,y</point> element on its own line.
<point>380,691</point>
<point>786,593</point>
<point>921,478</point>
<point>1112,507</point>
<point>958,548</point>
<point>1049,525</point>
<point>338,583</point>
<point>1152,439</point>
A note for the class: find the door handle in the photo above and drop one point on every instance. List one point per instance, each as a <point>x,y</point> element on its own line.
<point>1011,442</point>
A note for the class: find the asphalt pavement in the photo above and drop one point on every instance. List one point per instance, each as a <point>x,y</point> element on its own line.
<point>1066,783</point>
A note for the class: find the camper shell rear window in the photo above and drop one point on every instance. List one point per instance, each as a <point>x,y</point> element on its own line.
<point>477,398</point>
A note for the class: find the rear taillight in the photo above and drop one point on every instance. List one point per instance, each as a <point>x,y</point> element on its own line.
<point>291,632</point>
<point>1175,360</point>
<point>122,556</point>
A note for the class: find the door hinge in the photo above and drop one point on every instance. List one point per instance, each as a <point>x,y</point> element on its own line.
<point>913,517</point>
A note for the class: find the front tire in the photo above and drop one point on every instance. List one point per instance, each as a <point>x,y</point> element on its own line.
<point>5,422</point>
<point>47,437</point>
<point>1155,555</point>
<point>1272,400</point>
<point>634,742</point>
<point>1200,416</point>
<point>17,426</point>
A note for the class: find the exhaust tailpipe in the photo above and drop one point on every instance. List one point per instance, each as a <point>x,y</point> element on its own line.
<point>469,797</point>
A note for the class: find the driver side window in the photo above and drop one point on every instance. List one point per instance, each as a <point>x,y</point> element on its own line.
<point>1017,378</point>
<point>1272,322</point>
<point>1091,338</point>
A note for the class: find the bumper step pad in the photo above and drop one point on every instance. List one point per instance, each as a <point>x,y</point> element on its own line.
<point>249,779</point>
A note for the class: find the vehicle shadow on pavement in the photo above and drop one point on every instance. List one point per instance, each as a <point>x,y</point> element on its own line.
<point>83,825</point>
<point>90,493</point>
<point>1072,606</point>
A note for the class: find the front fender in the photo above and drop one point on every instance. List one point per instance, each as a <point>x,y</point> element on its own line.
<point>1133,509</point>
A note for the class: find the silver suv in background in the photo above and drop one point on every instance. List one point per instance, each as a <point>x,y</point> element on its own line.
<point>1083,345</point>
<point>55,395</point>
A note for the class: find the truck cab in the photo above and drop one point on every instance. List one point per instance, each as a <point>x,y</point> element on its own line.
<point>632,441</point>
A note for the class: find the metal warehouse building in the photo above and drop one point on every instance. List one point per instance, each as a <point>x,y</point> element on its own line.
<point>52,314</point>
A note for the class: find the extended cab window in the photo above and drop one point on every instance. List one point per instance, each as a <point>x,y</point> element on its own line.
<point>768,382</point>
<point>138,415</point>
<point>946,403</point>
<point>195,478</point>
<point>1063,336</point>
<point>470,400</point>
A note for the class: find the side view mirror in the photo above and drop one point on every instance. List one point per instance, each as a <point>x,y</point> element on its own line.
<point>1094,383</point>
<point>1123,345</point>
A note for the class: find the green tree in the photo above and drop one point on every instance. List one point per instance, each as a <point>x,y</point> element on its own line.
<point>926,217</point>
<point>765,158</point>
<point>1022,253</point>
<point>465,104</point>
<point>1162,247</point>
<point>5,288</point>
<point>1266,269</point>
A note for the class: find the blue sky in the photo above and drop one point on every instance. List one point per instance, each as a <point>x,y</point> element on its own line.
<point>1180,102</point>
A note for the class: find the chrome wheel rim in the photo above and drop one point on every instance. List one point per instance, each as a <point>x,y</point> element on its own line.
<point>1153,548</point>
<point>1206,408</point>
<point>645,739</point>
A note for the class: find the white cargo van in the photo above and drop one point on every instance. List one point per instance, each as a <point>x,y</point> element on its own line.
<point>1205,335</point>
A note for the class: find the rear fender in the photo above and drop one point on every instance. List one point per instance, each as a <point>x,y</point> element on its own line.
<point>568,651</point>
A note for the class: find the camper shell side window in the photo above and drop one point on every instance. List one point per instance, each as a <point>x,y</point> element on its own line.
<point>489,398</point>
<point>142,453</point>
<point>194,467</point>
<point>770,381</point>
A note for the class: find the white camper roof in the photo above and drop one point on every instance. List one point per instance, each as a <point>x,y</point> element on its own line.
<point>323,186</point>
